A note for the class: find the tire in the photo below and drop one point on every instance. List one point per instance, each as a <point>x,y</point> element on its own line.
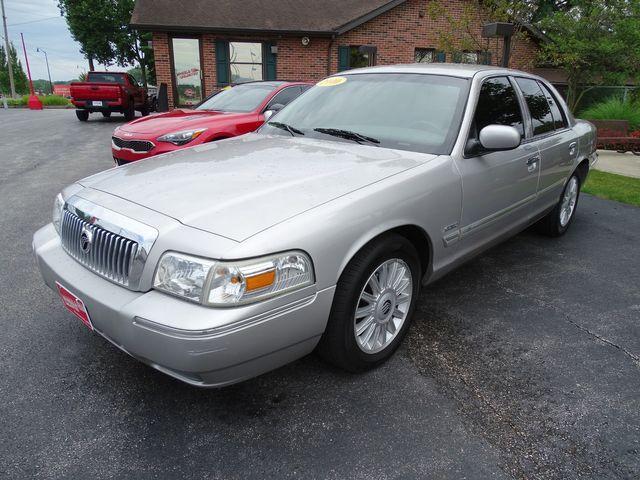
<point>83,115</point>
<point>144,111</point>
<point>130,112</point>
<point>558,220</point>
<point>106,114</point>
<point>340,345</point>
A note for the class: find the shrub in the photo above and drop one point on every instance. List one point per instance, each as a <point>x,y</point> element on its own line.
<point>47,100</point>
<point>615,109</point>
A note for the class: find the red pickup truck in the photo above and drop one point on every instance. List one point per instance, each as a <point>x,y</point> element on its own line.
<point>107,92</point>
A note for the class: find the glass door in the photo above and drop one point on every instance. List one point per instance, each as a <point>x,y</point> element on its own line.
<point>187,71</point>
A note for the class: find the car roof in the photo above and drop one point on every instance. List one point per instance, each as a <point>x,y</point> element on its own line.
<point>272,83</point>
<point>462,70</point>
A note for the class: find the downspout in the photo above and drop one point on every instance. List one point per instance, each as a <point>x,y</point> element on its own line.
<point>331,42</point>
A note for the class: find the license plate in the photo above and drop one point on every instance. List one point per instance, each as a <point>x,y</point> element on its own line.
<point>96,104</point>
<point>74,305</point>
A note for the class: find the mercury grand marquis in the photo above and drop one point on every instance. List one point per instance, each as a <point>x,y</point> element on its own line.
<point>222,261</point>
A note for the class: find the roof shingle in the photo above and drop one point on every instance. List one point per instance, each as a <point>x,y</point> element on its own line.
<point>321,17</point>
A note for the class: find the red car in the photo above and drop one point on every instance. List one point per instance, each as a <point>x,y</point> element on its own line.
<point>228,113</point>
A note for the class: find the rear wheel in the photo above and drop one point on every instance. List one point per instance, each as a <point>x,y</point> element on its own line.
<point>558,220</point>
<point>144,111</point>
<point>106,113</point>
<point>83,115</point>
<point>373,305</point>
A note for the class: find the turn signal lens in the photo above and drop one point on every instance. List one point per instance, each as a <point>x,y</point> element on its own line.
<point>261,280</point>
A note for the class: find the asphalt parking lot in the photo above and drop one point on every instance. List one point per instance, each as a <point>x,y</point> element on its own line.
<point>525,363</point>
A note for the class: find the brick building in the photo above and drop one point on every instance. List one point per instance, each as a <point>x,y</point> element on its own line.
<point>203,45</point>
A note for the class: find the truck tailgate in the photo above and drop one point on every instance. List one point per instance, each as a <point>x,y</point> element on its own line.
<point>95,91</point>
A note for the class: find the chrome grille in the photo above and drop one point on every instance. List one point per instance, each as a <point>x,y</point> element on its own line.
<point>110,255</point>
<point>135,145</point>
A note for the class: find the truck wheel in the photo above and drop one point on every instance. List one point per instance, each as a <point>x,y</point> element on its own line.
<point>83,115</point>
<point>144,110</point>
<point>558,220</point>
<point>106,114</point>
<point>373,305</point>
<point>130,112</point>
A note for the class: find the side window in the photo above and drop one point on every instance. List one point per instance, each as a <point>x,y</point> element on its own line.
<point>497,105</point>
<point>285,96</point>
<point>559,119</point>
<point>538,106</point>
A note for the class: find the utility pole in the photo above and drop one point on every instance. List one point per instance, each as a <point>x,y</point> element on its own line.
<point>6,42</point>
<point>48,72</point>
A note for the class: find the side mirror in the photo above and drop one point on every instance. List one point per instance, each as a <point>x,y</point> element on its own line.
<point>272,110</point>
<point>499,138</point>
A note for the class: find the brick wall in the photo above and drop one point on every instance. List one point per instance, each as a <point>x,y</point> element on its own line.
<point>395,34</point>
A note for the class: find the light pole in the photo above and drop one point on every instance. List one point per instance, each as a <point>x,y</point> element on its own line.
<point>6,43</point>
<point>48,72</point>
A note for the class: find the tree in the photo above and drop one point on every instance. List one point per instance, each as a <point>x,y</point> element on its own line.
<point>595,42</point>
<point>19,77</point>
<point>103,31</point>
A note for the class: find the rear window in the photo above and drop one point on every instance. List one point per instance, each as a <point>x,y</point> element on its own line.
<point>105,78</point>
<point>538,106</point>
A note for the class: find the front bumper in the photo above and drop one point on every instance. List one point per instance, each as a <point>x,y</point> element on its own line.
<point>247,345</point>
<point>126,155</point>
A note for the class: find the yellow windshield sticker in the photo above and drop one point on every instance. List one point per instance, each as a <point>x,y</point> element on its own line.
<point>331,81</point>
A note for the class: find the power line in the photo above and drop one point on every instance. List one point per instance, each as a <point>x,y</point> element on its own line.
<point>32,21</point>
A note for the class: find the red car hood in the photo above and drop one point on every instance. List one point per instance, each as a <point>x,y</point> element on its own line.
<point>177,120</point>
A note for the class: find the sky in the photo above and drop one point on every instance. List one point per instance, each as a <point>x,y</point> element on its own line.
<point>43,27</point>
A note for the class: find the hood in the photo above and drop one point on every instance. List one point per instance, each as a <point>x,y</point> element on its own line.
<point>241,186</point>
<point>175,121</point>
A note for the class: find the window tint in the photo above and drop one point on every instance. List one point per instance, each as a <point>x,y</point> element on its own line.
<point>538,106</point>
<point>105,77</point>
<point>498,105</point>
<point>285,96</point>
<point>558,117</point>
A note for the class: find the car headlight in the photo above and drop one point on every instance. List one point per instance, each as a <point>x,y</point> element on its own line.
<point>181,138</point>
<point>224,284</point>
<point>58,206</point>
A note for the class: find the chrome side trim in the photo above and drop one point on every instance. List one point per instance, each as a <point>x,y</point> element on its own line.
<point>486,221</point>
<point>143,235</point>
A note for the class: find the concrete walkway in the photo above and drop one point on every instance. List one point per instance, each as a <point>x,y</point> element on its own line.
<point>626,164</point>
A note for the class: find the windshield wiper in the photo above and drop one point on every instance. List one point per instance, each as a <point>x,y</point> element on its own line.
<point>347,135</point>
<point>288,128</point>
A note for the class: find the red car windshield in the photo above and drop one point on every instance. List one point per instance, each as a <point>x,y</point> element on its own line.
<point>241,98</point>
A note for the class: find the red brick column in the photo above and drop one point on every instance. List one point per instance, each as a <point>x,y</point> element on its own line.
<point>163,63</point>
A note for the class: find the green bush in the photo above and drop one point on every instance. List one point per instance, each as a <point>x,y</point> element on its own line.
<point>47,100</point>
<point>615,109</point>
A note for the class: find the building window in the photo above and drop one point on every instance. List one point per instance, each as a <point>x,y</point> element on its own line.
<point>187,70</point>
<point>245,62</point>
<point>362,56</point>
<point>424,55</point>
<point>470,57</point>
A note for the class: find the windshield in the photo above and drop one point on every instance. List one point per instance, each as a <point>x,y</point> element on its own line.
<point>241,98</point>
<point>404,111</point>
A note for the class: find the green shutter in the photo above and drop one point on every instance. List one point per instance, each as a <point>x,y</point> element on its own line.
<point>271,71</point>
<point>344,54</point>
<point>222,62</point>
<point>440,57</point>
<point>485,58</point>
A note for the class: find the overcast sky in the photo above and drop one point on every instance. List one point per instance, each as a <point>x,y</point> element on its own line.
<point>42,26</point>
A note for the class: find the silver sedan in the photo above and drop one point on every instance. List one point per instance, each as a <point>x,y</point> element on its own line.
<point>222,261</point>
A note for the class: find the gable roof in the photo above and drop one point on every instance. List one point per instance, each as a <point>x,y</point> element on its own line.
<point>316,17</point>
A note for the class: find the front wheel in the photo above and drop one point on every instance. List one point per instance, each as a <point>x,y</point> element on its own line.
<point>558,220</point>
<point>106,113</point>
<point>373,305</point>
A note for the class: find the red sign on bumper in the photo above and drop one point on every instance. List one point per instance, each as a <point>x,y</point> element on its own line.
<point>74,305</point>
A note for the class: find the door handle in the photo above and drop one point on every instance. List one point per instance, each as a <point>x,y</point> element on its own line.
<point>572,148</point>
<point>532,163</point>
